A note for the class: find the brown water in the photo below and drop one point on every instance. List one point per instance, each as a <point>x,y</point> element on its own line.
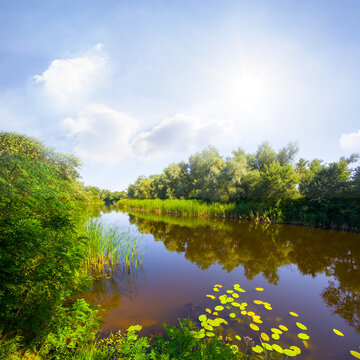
<point>315,273</point>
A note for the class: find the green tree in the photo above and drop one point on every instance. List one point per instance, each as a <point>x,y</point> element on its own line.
<point>332,181</point>
<point>277,182</point>
<point>205,168</point>
<point>41,251</point>
<point>230,177</point>
<point>287,154</point>
<point>264,155</point>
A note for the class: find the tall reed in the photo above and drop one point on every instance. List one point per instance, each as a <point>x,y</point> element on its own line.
<point>109,247</point>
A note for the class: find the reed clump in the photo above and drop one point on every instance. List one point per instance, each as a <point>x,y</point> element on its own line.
<point>110,247</point>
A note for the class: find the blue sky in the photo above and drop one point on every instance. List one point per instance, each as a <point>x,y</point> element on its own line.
<point>131,86</point>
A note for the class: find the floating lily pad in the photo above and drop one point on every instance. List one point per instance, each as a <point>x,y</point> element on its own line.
<point>278,348</point>
<point>217,285</point>
<point>236,304</point>
<point>232,315</point>
<point>235,295</point>
<point>283,327</point>
<point>258,302</point>
<point>259,289</point>
<point>295,349</point>
<point>208,327</point>
<point>243,312</point>
<point>289,352</point>
<point>208,310</point>
<point>337,332</point>
<point>251,313</point>
<point>303,336</point>
<point>219,308</point>
<point>215,289</point>
<point>301,326</point>
<point>229,291</point>
<point>215,313</point>
<point>211,296</point>
<point>264,336</point>
<point>257,320</point>
<point>355,354</point>
<point>268,307</point>
<point>210,334</point>
<point>202,318</point>
<point>254,327</point>
<point>229,299</point>
<point>237,337</point>
<point>257,349</point>
<point>275,336</point>
<point>276,331</point>
<point>267,346</point>
<point>293,314</point>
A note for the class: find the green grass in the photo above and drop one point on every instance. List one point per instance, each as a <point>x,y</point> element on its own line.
<point>179,207</point>
<point>110,246</point>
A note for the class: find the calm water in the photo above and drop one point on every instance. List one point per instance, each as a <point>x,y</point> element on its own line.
<point>315,273</point>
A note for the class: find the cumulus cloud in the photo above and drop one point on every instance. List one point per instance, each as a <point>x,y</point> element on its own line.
<point>101,134</point>
<point>66,78</point>
<point>350,141</point>
<point>181,133</point>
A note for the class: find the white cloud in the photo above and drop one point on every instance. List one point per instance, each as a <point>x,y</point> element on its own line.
<point>181,133</point>
<point>101,134</point>
<point>350,141</point>
<point>66,78</point>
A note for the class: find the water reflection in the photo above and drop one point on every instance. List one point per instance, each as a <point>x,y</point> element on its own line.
<point>109,292</point>
<point>263,249</point>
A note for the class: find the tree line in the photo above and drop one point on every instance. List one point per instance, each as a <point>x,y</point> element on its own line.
<point>266,184</point>
<point>265,174</point>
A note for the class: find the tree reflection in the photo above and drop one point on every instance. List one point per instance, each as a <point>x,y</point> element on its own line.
<point>263,249</point>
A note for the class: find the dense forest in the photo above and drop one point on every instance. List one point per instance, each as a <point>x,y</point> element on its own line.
<point>266,184</point>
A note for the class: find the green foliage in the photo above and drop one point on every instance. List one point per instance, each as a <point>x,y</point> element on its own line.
<point>41,252</point>
<point>72,330</point>
<point>180,343</point>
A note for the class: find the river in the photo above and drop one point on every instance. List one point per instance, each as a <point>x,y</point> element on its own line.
<point>314,273</point>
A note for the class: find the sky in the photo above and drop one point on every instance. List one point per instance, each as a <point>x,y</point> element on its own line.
<point>132,86</point>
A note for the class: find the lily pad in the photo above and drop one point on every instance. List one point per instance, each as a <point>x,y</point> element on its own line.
<point>337,332</point>
<point>303,336</point>
<point>264,336</point>
<point>259,289</point>
<point>295,349</point>
<point>293,314</point>
<point>257,349</point>
<point>301,326</point>
<point>267,346</point>
<point>289,352</point>
<point>202,318</point>
<point>254,327</point>
<point>278,348</point>
<point>355,354</point>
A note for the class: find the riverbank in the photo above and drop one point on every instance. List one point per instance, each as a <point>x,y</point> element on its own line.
<point>335,214</point>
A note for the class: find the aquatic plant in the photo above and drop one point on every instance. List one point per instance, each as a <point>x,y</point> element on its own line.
<point>110,246</point>
<point>265,344</point>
